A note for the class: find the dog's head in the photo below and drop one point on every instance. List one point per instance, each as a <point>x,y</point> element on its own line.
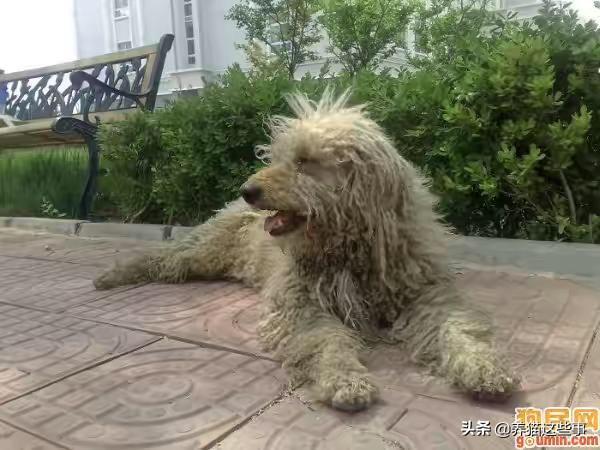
<point>332,172</point>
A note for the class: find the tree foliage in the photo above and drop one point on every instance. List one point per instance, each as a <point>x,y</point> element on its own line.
<point>362,33</point>
<point>287,27</point>
<point>443,27</point>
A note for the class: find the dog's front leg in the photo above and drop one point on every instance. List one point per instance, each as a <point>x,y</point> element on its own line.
<point>458,341</point>
<point>172,265</point>
<point>470,360</point>
<point>317,348</point>
<point>208,252</point>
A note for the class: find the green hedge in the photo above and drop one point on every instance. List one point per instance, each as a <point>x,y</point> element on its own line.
<point>508,129</point>
<point>179,164</point>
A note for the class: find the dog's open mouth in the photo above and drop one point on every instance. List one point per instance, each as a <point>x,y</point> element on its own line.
<point>283,222</point>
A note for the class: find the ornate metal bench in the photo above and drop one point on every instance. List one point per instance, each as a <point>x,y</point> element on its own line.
<point>65,103</point>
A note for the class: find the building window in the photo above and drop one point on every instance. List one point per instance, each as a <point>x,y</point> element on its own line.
<point>125,45</point>
<point>122,25</point>
<point>121,8</point>
<point>277,37</point>
<point>419,43</point>
<point>187,8</point>
<point>189,31</point>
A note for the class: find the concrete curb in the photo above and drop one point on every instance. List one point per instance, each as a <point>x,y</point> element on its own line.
<point>128,231</point>
<point>56,226</point>
<point>561,258</point>
<point>582,260</point>
<point>178,233</point>
<point>86,229</point>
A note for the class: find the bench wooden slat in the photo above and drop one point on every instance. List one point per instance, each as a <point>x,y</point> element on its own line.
<point>34,134</point>
<point>45,138</point>
<point>82,64</point>
<point>40,124</point>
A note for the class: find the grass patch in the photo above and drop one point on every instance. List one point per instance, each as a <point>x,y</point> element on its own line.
<point>30,181</point>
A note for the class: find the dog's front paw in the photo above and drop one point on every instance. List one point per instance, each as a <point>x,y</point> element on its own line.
<point>497,385</point>
<point>355,394</point>
<point>487,379</point>
<point>107,280</point>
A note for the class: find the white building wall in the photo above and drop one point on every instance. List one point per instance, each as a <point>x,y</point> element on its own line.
<point>91,28</point>
<point>99,32</point>
<point>154,20</point>
<point>219,37</point>
<point>525,8</point>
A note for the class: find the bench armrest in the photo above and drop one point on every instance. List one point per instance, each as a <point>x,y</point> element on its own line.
<point>79,77</point>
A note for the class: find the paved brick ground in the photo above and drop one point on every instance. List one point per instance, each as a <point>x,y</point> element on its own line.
<point>179,367</point>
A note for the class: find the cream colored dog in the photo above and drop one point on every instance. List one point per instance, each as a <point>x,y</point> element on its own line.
<point>338,233</point>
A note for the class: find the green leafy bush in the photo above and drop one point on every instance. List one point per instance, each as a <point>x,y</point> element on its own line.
<point>504,118</point>
<point>508,128</point>
<point>363,33</point>
<point>180,164</point>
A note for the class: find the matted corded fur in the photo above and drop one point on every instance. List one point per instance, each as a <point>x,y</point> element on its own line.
<point>367,265</point>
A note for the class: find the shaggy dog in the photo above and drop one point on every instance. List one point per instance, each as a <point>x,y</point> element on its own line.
<point>339,234</point>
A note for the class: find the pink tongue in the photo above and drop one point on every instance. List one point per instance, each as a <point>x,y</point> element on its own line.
<point>274,223</point>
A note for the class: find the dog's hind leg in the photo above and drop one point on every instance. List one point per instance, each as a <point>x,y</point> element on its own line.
<point>208,252</point>
<point>457,341</point>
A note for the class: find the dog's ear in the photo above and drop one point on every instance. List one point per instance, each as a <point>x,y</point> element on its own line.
<point>344,167</point>
<point>344,163</point>
<point>345,170</point>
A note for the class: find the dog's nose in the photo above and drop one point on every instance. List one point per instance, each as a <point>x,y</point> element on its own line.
<point>251,193</point>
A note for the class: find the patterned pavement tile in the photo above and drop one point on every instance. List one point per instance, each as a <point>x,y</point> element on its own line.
<point>168,395</point>
<point>544,325</point>
<point>48,285</point>
<point>588,387</point>
<point>435,424</point>
<point>13,439</point>
<point>399,421</point>
<point>37,348</point>
<point>221,313</point>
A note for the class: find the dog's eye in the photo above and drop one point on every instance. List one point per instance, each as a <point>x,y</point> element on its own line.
<point>301,163</point>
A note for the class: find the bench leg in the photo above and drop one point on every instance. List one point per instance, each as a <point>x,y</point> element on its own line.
<point>69,125</point>
<point>91,185</point>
